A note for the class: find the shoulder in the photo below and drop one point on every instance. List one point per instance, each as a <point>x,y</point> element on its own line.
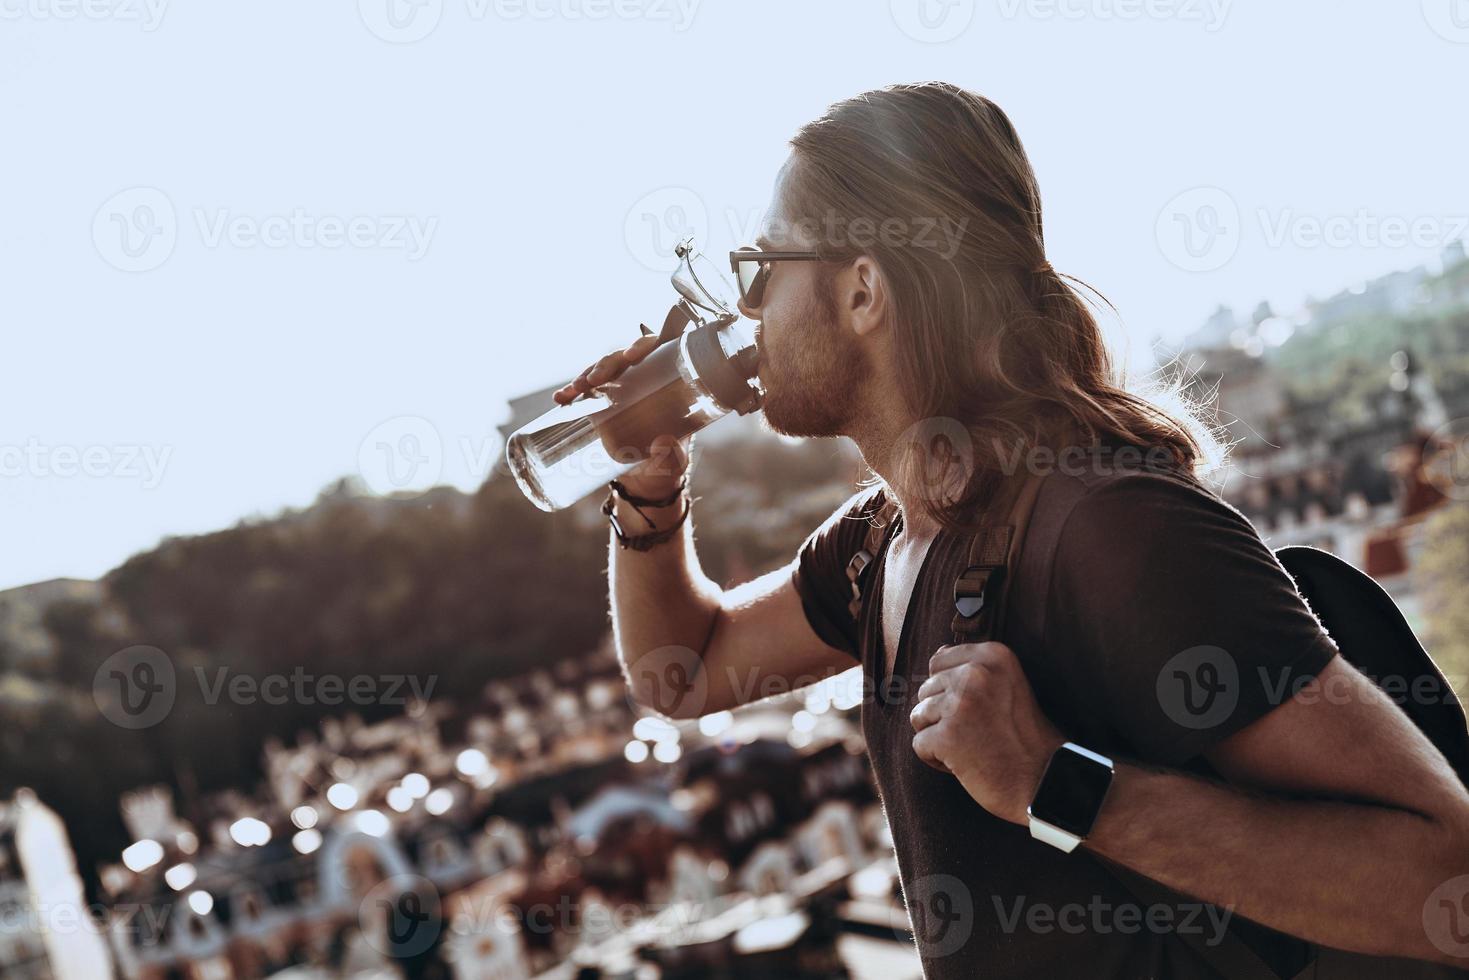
<point>1161,540</point>
<point>1119,494</point>
<point>857,513</point>
<point>1107,526</point>
<point>842,533</point>
<point>820,570</point>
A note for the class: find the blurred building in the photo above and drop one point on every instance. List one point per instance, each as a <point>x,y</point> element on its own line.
<point>1303,471</point>
<point>47,931</point>
<point>22,943</point>
<point>1394,294</point>
<point>549,830</point>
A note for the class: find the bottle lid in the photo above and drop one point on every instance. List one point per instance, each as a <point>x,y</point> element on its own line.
<point>727,374</point>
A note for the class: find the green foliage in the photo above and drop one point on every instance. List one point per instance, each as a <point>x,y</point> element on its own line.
<point>1443,577</point>
<point>1347,363</point>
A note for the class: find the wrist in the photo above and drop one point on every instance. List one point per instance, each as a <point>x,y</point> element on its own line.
<point>1067,802</point>
<point>1026,784</point>
<point>642,523</point>
<point>634,522</point>
<point>652,508</point>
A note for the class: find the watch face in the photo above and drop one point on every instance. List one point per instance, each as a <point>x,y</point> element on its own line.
<point>1071,791</point>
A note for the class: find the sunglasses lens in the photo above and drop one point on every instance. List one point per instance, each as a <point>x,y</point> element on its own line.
<point>751,282</point>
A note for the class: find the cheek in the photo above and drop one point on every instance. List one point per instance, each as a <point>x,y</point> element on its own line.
<point>783,317</point>
<point>787,297</point>
<point>773,325</point>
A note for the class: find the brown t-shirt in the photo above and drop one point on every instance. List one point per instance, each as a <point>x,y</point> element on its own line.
<point>1152,624</point>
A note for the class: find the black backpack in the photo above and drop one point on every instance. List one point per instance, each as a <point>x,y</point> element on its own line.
<point>1369,629</point>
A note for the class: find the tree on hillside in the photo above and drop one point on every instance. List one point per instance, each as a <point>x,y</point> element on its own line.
<point>1443,571</point>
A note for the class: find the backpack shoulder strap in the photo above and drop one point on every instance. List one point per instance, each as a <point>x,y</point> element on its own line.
<point>979,591</point>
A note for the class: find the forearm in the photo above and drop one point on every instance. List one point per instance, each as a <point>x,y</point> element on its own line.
<point>1351,876</point>
<point>663,606</point>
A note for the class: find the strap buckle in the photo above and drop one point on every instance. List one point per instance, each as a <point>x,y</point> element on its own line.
<point>856,572</point>
<point>969,588</point>
<point>988,556</point>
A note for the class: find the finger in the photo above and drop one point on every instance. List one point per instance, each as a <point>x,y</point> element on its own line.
<point>949,657</point>
<point>573,389</point>
<point>607,368</point>
<point>987,654</point>
<point>928,712</point>
<point>640,349</point>
<point>579,384</point>
<point>935,684</point>
<point>925,746</point>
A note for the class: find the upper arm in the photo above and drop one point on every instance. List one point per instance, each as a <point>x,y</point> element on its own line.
<point>763,644</point>
<point>1180,626</point>
<point>793,626</point>
<point>1340,736</point>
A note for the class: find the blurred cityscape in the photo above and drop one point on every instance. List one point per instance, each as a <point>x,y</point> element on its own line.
<point>396,848</point>
<point>490,804</point>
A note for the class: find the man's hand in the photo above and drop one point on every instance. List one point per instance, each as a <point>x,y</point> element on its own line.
<point>668,457</point>
<point>605,369</point>
<point>977,718</point>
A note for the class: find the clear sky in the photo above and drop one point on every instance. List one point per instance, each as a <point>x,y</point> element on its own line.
<point>248,245</point>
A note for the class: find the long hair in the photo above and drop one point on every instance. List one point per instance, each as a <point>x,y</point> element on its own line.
<point>932,182</point>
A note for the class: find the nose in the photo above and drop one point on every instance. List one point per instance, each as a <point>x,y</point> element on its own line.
<point>748,311</point>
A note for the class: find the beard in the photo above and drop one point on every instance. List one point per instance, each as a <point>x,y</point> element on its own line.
<point>814,377</point>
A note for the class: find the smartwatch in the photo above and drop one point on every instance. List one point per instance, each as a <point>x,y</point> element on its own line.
<point>1069,796</point>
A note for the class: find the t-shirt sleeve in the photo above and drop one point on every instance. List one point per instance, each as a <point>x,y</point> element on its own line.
<point>1177,616</point>
<point>820,571</point>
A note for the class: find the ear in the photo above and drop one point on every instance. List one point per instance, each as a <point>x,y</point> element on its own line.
<point>862,295</point>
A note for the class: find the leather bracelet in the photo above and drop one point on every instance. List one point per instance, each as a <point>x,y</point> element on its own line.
<point>643,542</point>
<point>638,503</point>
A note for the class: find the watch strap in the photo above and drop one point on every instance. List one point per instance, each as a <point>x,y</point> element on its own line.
<point>1053,835</point>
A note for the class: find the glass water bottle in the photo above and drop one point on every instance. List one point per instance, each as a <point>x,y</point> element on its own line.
<point>697,375</point>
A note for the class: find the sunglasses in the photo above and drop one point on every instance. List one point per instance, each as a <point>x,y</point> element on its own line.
<point>752,267</point>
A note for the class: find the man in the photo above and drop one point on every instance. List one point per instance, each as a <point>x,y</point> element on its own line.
<point>926,306</point>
